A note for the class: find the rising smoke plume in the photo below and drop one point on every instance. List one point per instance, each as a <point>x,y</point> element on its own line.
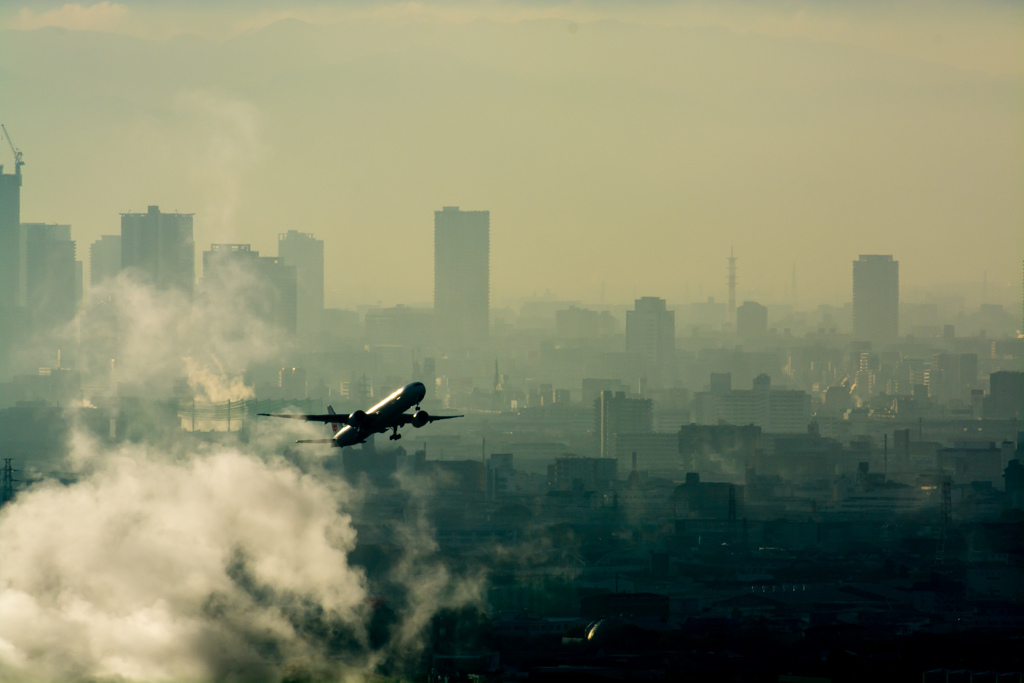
<point>143,336</point>
<point>159,566</point>
<point>217,560</point>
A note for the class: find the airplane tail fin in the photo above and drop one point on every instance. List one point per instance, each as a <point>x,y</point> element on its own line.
<point>334,425</point>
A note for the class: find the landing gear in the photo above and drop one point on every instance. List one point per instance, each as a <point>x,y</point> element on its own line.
<point>395,436</point>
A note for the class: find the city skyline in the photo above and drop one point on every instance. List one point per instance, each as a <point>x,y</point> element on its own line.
<point>693,443</point>
<point>982,291</point>
<point>163,245</point>
<point>770,174</point>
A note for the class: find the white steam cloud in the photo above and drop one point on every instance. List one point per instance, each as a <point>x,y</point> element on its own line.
<point>229,139</point>
<point>162,336</point>
<point>200,560</point>
<point>152,568</point>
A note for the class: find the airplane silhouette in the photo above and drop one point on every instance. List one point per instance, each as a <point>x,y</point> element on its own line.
<point>354,428</point>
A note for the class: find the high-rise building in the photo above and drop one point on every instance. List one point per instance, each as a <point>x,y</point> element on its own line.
<point>952,375</point>
<point>40,279</point>
<point>10,237</point>
<point>274,297</point>
<point>306,253</point>
<point>13,319</point>
<point>104,259</point>
<point>501,475</point>
<point>462,274</point>
<point>876,298</point>
<point>159,248</point>
<point>220,258</point>
<point>651,333</point>
<point>751,320</point>
<point>1006,396</point>
<point>615,413</point>
<point>777,411</point>
<point>51,276</point>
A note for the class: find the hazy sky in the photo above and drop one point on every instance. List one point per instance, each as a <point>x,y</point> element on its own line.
<point>624,146</point>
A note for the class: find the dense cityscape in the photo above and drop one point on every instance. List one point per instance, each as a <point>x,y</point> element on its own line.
<point>720,489</point>
<point>459,341</point>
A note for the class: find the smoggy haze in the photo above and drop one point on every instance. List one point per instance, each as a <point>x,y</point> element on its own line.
<point>617,151</point>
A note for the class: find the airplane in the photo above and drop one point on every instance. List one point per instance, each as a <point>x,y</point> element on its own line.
<point>355,428</point>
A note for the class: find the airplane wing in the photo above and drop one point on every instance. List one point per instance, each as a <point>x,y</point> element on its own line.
<point>317,441</point>
<point>330,417</point>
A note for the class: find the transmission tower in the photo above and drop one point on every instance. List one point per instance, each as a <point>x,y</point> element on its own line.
<point>496,397</point>
<point>7,482</point>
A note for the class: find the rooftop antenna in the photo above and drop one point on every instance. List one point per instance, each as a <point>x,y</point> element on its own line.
<point>496,400</point>
<point>18,163</point>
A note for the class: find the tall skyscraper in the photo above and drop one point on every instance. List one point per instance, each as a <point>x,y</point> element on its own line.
<point>462,246</point>
<point>104,259</point>
<point>159,248</point>
<point>10,237</point>
<point>651,333</point>
<point>876,298</point>
<point>306,253</point>
<point>51,275</point>
<point>40,278</point>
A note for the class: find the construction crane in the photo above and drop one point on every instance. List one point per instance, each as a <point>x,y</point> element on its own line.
<point>18,163</point>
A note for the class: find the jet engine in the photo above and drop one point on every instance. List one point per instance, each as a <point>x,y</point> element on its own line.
<point>357,419</point>
<point>419,418</point>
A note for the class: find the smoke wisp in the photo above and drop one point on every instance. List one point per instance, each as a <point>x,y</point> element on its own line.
<point>177,556</point>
